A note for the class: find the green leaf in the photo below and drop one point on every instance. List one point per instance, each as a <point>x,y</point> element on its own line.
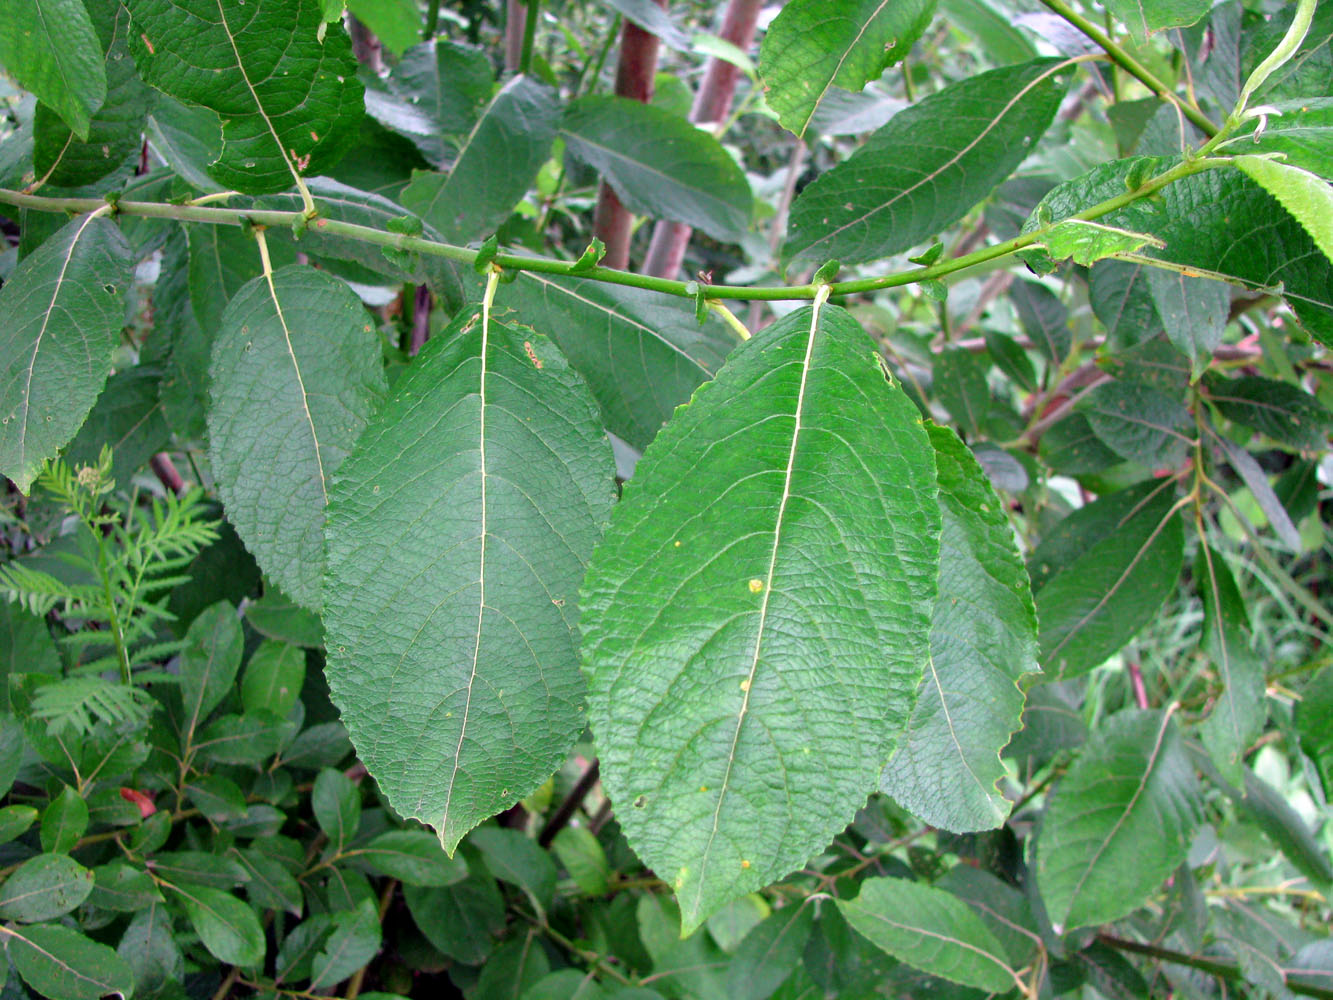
<point>115,130</point>
<point>931,930</point>
<point>43,888</point>
<point>1302,131</point>
<point>1238,714</point>
<point>222,260</point>
<point>228,927</point>
<point>1305,195</point>
<point>1195,312</point>
<point>1146,16</point>
<point>128,418</point>
<point>1119,821</point>
<point>813,46</point>
<point>1088,242</point>
<point>279,618</point>
<point>123,888</point>
<point>26,646</point>
<point>983,641</point>
<point>513,857</point>
<point>437,90</point>
<point>201,868</point>
<point>995,31</point>
<point>244,739</point>
<point>396,23</point>
<point>62,964</point>
<point>799,478</point>
<point>270,886</point>
<point>412,856</point>
<point>300,350</point>
<point>1254,477</point>
<point>654,20</point>
<point>1285,412</point>
<point>1044,317</point>
<point>51,48</point>
<point>460,920</point>
<point>273,677</point>
<point>1284,825</point>
<point>149,948</point>
<point>64,821</point>
<point>959,384</point>
<point>659,164</point>
<point>209,661</point>
<point>64,307</point>
<point>927,167</point>
<point>290,104</point>
<point>770,953</point>
<point>1103,575</point>
<point>470,201</point>
<point>353,943</point>
<point>515,966</point>
<point>189,139</point>
<point>1139,423</point>
<point>457,535</point>
<point>583,857</point>
<point>1314,722</point>
<point>15,821</point>
<point>336,803</point>
<point>642,354</point>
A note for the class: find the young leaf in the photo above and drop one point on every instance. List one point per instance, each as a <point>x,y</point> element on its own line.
<point>43,888</point>
<point>64,821</point>
<point>300,350</point>
<point>273,677</point>
<point>227,926</point>
<point>1285,412</point>
<point>64,307</point>
<point>1305,195</point>
<point>1120,821</point>
<point>584,858</point>
<point>1238,715</point>
<point>799,479</point>
<point>1103,575</point>
<point>642,355</point>
<point>353,943</point>
<point>51,48</point>
<point>1193,310</point>
<point>115,130</point>
<point>209,662</point>
<point>983,640</point>
<point>813,46</point>
<point>62,964</point>
<point>458,532</point>
<point>659,164</point>
<point>476,195</point>
<point>1146,16</point>
<point>931,930</point>
<point>291,103</point>
<point>927,167</point>
<point>513,857</point>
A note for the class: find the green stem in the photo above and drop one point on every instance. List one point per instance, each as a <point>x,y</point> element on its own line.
<point>529,36</point>
<point>1221,968</point>
<point>548,265</point>
<point>432,20</point>
<point>1122,58</point>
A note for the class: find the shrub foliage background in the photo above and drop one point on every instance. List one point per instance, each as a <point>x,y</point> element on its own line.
<point>631,499</point>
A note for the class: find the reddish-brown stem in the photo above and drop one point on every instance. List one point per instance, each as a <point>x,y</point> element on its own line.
<point>634,79</point>
<point>516,22</point>
<point>365,46</point>
<point>167,473</point>
<point>1136,680</point>
<point>560,819</point>
<point>422,301</point>
<point>711,104</point>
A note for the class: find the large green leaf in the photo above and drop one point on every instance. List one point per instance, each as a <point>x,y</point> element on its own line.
<point>1147,16</point>
<point>1285,412</point>
<point>51,48</point>
<point>813,46</point>
<point>296,372</point>
<point>43,888</point>
<point>227,926</point>
<point>116,128</point>
<point>931,930</point>
<point>1138,422</point>
<point>927,167</point>
<point>62,964</point>
<point>1119,822</point>
<point>1103,574</point>
<point>642,353</point>
<point>436,91</point>
<point>222,260</point>
<point>1306,196</point>
<point>1238,714</point>
<point>983,640</point>
<point>493,168</point>
<point>1302,131</point>
<point>209,661</point>
<point>64,306</point>
<point>290,103</point>
<point>659,164</point>
<point>458,532</point>
<point>1195,312</point>
<point>755,623</point>
<point>1219,221</point>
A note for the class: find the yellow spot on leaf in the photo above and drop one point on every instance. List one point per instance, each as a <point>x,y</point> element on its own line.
<point>745,685</point>
<point>756,586</point>
<point>745,864</point>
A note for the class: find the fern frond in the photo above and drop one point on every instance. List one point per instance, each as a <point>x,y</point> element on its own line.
<point>76,703</point>
<point>39,592</point>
